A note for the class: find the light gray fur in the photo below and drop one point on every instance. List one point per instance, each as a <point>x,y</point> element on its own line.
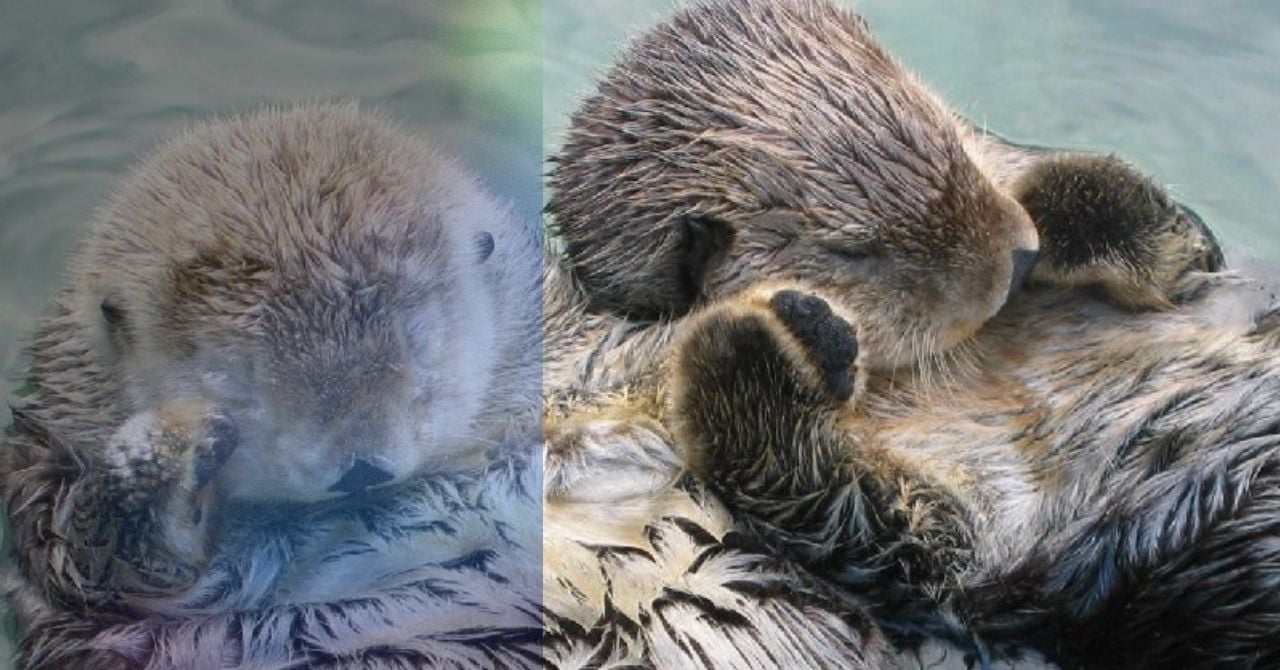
<point>283,270</point>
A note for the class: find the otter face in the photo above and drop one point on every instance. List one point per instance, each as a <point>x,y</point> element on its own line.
<point>322,281</point>
<point>917,288</point>
<point>747,140</point>
<point>345,387</point>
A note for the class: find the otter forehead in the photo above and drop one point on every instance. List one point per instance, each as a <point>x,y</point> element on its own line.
<point>776,113</point>
<point>342,284</point>
<point>296,226</point>
<point>302,187</point>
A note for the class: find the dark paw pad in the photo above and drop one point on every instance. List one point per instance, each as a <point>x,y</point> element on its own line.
<point>829,338</point>
<point>223,436</point>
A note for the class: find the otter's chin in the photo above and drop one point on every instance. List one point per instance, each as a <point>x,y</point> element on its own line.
<point>908,352</point>
<point>957,334</point>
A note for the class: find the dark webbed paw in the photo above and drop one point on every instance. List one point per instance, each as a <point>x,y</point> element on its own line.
<point>769,350</point>
<point>829,339</point>
<point>1104,224</point>
<point>763,385</point>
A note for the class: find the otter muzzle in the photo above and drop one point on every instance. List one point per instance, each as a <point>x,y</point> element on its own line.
<point>1023,261</point>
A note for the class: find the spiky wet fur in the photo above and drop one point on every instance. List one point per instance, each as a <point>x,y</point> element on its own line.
<point>1095,482</point>
<point>737,142</point>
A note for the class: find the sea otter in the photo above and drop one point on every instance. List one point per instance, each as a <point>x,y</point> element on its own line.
<point>284,412</point>
<point>1069,474</point>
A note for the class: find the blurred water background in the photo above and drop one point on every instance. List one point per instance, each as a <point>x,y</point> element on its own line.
<point>87,86</point>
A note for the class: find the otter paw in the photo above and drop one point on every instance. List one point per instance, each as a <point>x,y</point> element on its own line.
<point>789,342</point>
<point>755,379</point>
<point>829,339</point>
<point>1105,225</point>
<point>218,440</point>
<point>168,457</point>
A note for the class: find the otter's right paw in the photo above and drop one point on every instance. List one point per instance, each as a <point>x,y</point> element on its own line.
<point>159,466</point>
<point>758,381</point>
<point>1104,224</point>
<point>767,341</point>
<point>829,339</point>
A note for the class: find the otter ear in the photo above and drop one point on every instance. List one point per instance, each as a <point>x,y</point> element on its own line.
<point>704,242</point>
<point>116,322</point>
<point>484,247</point>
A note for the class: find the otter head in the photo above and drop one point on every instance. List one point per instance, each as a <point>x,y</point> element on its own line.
<point>330,285</point>
<point>746,140</point>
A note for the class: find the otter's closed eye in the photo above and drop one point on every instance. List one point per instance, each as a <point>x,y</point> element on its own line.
<point>112,313</point>
<point>851,253</point>
<point>484,247</point>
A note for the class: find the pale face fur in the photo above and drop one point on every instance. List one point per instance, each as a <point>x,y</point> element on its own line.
<point>735,143</point>
<point>331,285</point>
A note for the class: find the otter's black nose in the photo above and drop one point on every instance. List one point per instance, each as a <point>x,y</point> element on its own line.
<point>1023,261</point>
<point>361,476</point>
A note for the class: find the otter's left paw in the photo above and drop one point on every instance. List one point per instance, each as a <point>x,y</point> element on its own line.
<point>760,384</point>
<point>1104,224</point>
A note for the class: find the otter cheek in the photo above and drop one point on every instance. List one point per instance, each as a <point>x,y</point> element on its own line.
<point>446,442</point>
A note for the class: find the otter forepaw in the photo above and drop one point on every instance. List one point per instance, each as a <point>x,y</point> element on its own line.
<point>829,339</point>
<point>761,382</point>
<point>773,339</point>
<point>218,439</point>
<point>162,461</point>
<point>1105,225</point>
